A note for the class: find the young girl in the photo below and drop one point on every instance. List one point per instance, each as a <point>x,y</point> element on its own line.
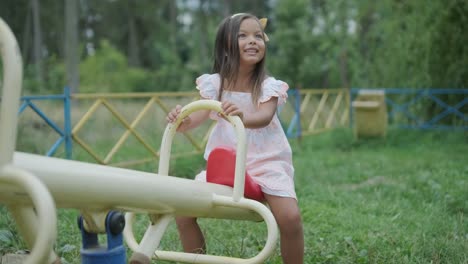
<point>241,84</point>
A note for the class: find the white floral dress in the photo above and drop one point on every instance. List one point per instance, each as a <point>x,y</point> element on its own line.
<point>269,155</point>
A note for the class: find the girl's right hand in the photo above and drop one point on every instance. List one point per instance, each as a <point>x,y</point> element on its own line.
<point>191,121</point>
<point>173,114</point>
<point>231,109</point>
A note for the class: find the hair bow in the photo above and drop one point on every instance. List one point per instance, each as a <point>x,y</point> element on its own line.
<point>263,23</point>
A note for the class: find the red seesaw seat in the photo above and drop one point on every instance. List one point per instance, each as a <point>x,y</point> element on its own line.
<point>220,169</point>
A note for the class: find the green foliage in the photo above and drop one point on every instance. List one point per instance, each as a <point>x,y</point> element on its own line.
<point>107,71</point>
<point>393,47</point>
<point>370,44</point>
<point>449,52</point>
<point>54,79</point>
<point>165,45</point>
<point>290,42</point>
<point>171,75</point>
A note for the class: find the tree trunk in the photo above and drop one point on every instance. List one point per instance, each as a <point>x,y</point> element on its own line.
<point>344,70</point>
<point>173,25</point>
<point>227,8</point>
<point>133,42</point>
<point>71,44</point>
<point>203,32</point>
<point>37,43</point>
<point>26,35</point>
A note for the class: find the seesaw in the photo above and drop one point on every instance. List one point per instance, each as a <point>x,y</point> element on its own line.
<point>32,185</point>
<point>27,218</point>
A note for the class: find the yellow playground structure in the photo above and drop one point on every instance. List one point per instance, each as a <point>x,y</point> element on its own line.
<point>33,186</point>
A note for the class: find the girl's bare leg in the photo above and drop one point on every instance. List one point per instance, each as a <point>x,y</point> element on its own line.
<point>191,235</point>
<point>287,214</point>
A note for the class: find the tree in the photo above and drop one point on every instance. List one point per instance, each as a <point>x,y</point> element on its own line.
<point>448,62</point>
<point>37,35</point>
<point>290,41</point>
<point>314,43</point>
<point>133,35</point>
<point>71,45</point>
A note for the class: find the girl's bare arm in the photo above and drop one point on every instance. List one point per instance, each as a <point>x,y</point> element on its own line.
<point>261,118</point>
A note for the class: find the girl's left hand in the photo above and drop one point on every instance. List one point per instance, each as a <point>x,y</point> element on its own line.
<point>231,109</point>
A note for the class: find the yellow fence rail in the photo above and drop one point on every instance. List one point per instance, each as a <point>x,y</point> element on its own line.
<point>111,127</point>
<point>324,109</point>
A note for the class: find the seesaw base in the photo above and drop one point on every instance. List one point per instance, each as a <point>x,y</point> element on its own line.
<point>114,252</point>
<point>139,258</point>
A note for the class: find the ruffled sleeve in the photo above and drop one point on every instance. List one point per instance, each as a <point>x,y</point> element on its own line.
<point>208,85</point>
<point>274,88</point>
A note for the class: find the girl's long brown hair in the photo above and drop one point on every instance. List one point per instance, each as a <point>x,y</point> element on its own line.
<point>226,56</point>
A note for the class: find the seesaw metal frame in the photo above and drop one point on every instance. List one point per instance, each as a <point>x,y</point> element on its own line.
<point>31,186</point>
<point>41,239</point>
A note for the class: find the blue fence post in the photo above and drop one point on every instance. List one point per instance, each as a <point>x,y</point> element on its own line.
<point>67,122</point>
<point>297,109</point>
<point>295,122</point>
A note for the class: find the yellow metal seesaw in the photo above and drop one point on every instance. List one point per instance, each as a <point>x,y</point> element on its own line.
<point>23,182</point>
<point>97,189</point>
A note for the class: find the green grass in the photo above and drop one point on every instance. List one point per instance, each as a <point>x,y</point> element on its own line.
<point>403,199</point>
<point>399,200</point>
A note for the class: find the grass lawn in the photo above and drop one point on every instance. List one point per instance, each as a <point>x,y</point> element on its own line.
<point>399,200</point>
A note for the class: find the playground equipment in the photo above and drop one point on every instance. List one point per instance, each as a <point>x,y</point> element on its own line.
<point>370,114</point>
<point>26,184</point>
<point>32,185</point>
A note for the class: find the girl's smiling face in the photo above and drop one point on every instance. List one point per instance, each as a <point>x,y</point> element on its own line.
<point>251,42</point>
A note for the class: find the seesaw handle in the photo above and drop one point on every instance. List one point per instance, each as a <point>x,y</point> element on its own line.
<point>168,136</point>
<point>12,77</point>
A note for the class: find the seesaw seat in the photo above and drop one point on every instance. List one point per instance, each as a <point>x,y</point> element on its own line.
<point>220,169</point>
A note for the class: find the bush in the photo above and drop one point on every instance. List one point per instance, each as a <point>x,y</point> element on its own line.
<point>107,71</point>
